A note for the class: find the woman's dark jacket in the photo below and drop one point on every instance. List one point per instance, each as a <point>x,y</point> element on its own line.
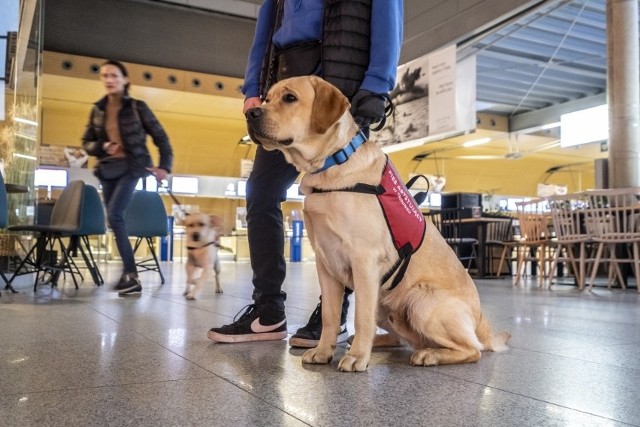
<point>134,127</point>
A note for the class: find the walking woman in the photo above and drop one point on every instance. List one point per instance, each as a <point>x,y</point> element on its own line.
<point>117,134</point>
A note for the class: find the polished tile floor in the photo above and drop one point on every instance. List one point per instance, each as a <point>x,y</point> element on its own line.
<point>91,358</point>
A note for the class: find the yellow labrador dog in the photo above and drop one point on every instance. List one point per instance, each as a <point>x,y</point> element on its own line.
<point>435,306</point>
<point>203,238</point>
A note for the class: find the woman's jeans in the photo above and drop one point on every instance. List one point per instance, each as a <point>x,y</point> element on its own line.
<point>117,194</point>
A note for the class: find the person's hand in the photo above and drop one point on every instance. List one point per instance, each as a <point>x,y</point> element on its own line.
<point>159,173</point>
<point>112,148</point>
<point>254,101</point>
<point>367,108</point>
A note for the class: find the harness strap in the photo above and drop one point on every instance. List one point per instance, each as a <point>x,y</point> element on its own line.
<point>358,188</point>
<point>405,256</point>
<point>421,196</point>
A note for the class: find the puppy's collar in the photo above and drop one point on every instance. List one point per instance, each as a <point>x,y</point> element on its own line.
<point>190,248</point>
<point>342,155</point>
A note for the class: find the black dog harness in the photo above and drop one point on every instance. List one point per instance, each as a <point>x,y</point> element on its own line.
<point>400,209</point>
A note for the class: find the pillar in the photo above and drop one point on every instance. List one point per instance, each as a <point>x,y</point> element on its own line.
<point>623,81</point>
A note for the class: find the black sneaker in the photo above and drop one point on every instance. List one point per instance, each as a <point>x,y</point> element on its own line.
<point>126,281</point>
<point>129,284</point>
<point>309,335</point>
<point>257,323</point>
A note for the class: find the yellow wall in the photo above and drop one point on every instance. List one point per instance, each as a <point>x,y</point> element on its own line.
<point>205,125</point>
<point>512,177</point>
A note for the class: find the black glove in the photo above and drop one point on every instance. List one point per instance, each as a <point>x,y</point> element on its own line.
<point>367,107</point>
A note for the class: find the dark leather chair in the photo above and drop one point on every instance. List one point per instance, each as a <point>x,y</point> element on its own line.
<point>4,218</point>
<point>77,213</point>
<point>146,219</point>
<point>448,222</point>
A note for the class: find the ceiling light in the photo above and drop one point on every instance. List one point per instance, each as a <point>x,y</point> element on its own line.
<point>480,157</point>
<point>402,146</point>
<point>476,142</point>
<point>25,121</point>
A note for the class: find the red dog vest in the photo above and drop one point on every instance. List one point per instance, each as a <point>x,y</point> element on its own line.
<point>404,218</point>
<point>402,214</point>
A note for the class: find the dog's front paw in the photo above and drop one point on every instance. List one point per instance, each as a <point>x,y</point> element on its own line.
<point>187,289</point>
<point>219,290</point>
<point>317,357</point>
<point>353,363</point>
<point>424,357</point>
<point>189,296</point>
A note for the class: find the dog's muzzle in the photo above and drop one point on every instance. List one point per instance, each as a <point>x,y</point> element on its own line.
<point>256,127</point>
<point>254,119</point>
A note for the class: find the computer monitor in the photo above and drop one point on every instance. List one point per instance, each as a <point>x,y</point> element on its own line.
<point>151,184</point>
<point>184,184</point>
<point>435,200</point>
<point>242,188</point>
<point>51,178</point>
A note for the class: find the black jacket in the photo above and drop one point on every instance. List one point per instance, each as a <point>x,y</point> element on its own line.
<point>134,126</point>
<point>346,43</point>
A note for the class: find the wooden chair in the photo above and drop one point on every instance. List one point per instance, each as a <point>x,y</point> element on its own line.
<point>535,244</point>
<point>499,236</point>
<point>568,215</point>
<point>613,219</point>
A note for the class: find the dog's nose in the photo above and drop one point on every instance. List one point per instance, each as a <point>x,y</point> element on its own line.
<point>253,113</point>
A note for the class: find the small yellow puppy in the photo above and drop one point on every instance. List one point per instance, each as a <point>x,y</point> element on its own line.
<point>203,239</point>
<point>427,298</point>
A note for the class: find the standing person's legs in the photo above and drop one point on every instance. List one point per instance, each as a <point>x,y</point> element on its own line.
<point>267,186</point>
<point>117,194</point>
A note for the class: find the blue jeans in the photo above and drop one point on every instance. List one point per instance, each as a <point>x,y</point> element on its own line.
<point>117,194</point>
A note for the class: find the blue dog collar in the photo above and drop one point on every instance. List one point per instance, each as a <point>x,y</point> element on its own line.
<point>342,155</point>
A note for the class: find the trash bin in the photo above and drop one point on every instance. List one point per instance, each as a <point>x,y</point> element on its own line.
<point>296,241</point>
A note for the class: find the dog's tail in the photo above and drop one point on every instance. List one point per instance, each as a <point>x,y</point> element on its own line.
<point>492,342</point>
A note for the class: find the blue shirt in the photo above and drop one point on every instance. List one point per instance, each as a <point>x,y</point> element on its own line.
<point>302,21</point>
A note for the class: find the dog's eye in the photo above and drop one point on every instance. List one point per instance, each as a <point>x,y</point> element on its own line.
<point>289,98</point>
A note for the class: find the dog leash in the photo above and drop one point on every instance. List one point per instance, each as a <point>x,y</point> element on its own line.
<point>175,199</point>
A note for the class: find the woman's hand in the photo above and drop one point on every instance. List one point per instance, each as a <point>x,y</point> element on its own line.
<point>112,148</point>
<point>159,173</point>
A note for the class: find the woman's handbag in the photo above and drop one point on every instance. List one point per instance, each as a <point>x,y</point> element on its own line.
<point>112,167</point>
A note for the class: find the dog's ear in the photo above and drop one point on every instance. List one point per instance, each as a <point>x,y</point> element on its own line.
<point>329,105</point>
<point>215,221</point>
